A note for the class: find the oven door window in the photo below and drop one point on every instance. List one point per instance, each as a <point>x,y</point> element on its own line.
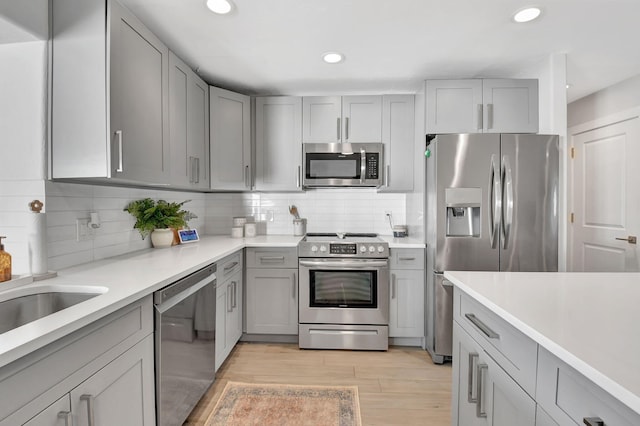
<point>332,166</point>
<point>343,289</point>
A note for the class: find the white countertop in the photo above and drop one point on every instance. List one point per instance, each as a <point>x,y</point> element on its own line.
<point>125,278</point>
<point>406,242</point>
<point>588,320</point>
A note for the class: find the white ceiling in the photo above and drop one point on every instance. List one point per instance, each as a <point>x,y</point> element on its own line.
<point>275,46</point>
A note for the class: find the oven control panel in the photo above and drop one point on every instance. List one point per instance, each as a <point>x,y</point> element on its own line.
<point>376,250</point>
<point>342,248</point>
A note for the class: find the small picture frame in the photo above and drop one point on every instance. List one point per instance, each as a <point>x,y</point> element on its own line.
<point>188,236</point>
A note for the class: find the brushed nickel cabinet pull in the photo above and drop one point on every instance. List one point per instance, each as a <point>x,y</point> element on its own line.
<point>472,361</point>
<point>295,285</point>
<point>479,117</point>
<point>338,129</point>
<point>67,417</point>
<point>489,116</point>
<point>480,412</point>
<point>393,286</point>
<point>90,415</point>
<point>482,326</point>
<point>593,421</point>
<point>120,168</point>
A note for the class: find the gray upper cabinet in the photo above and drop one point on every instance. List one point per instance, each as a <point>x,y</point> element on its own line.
<point>398,136</point>
<point>189,126</point>
<point>230,140</point>
<point>335,119</point>
<point>482,106</point>
<point>109,95</point>
<point>278,122</point>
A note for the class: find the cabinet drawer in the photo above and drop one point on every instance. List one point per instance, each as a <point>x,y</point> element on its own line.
<point>514,351</point>
<point>569,397</point>
<point>272,257</point>
<point>228,266</point>
<point>407,258</point>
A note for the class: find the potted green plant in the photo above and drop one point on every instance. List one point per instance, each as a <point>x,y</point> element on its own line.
<point>158,219</point>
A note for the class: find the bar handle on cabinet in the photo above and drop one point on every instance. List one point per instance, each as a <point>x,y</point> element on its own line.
<point>480,412</point>
<point>247,182</point>
<point>295,285</point>
<point>67,417</point>
<point>230,266</point>
<point>393,286</point>
<point>479,117</point>
<point>120,168</point>
<point>346,128</point>
<point>272,259</point>
<point>234,300</point>
<point>190,172</point>
<point>470,388</point>
<point>298,177</point>
<point>90,414</point>
<point>229,300</point>
<point>407,259</point>
<point>386,177</point>
<point>482,326</point>
<point>197,169</point>
<point>489,116</point>
<point>338,139</point>
<point>593,421</point>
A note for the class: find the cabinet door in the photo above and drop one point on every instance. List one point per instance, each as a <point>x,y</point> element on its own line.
<point>362,117</point>
<point>234,322</point>
<point>278,143</point>
<point>511,106</point>
<point>198,131</point>
<point>272,301</point>
<point>406,310</point>
<point>178,121</point>
<point>139,101</point>
<point>223,308</point>
<point>321,119</point>
<point>121,393</point>
<point>398,136</point>
<point>230,140</point>
<point>453,106</point>
<point>57,414</point>
<point>466,358</point>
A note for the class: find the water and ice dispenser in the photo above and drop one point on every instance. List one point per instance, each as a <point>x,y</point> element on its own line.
<point>463,211</point>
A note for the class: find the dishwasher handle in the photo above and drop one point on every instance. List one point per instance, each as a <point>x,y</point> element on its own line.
<point>184,287</point>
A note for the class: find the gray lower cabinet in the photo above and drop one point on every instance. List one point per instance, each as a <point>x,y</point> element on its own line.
<point>229,306</point>
<point>105,370</point>
<point>110,118</point>
<point>406,307</point>
<point>272,291</point>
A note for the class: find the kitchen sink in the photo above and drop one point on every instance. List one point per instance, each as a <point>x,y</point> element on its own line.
<point>24,305</point>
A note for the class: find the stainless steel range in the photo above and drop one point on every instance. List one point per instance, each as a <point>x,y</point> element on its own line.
<point>344,292</point>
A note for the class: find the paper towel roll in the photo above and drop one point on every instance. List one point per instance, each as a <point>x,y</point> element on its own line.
<point>37,238</point>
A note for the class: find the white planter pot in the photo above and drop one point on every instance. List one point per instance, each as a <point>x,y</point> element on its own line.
<point>161,238</point>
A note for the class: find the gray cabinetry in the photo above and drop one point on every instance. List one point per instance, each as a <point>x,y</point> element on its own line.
<point>108,364</point>
<point>230,140</point>
<point>482,106</point>
<point>109,111</point>
<point>229,310</point>
<point>272,291</point>
<point>189,126</point>
<point>398,136</point>
<point>278,138</point>
<point>406,307</point>
<point>335,119</point>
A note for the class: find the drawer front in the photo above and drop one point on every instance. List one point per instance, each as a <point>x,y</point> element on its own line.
<point>228,266</point>
<point>569,397</point>
<point>407,259</point>
<point>272,257</point>
<point>514,351</point>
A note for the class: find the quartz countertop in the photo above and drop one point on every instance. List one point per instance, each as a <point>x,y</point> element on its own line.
<point>406,242</point>
<point>125,278</point>
<point>588,320</point>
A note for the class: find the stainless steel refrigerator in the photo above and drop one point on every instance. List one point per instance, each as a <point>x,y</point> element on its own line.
<point>491,205</point>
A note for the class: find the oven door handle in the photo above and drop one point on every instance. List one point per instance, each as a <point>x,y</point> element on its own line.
<point>345,264</point>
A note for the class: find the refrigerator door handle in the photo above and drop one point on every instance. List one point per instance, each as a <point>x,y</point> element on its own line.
<point>507,208</point>
<point>495,203</point>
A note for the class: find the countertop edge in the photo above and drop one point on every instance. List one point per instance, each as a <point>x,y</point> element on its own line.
<point>616,390</point>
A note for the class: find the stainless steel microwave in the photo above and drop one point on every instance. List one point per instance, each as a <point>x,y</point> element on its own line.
<point>342,164</point>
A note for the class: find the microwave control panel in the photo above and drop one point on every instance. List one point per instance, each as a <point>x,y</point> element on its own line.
<point>372,165</point>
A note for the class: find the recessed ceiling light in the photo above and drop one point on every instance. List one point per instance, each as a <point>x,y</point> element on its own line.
<point>333,57</point>
<point>220,7</point>
<point>526,15</point>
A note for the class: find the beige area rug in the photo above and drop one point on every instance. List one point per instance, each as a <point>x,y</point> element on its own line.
<point>272,404</point>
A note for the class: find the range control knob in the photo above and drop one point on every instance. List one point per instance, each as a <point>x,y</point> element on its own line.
<point>323,248</point>
<point>372,249</point>
<point>363,249</point>
<point>314,249</point>
<point>380,249</point>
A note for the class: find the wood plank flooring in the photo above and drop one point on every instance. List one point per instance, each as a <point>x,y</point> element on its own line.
<point>399,387</point>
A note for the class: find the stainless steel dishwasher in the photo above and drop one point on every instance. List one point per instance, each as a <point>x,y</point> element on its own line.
<point>185,329</point>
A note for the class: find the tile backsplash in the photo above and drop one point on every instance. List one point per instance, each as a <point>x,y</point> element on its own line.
<point>326,210</point>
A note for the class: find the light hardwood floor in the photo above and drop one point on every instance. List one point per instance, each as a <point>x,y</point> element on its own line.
<point>399,387</point>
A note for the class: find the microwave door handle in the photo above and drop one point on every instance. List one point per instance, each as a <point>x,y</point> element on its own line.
<point>363,164</point>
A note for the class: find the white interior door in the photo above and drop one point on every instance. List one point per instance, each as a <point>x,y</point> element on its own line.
<point>606,200</point>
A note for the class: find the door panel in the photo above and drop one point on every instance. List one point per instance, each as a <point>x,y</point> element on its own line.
<point>529,231</point>
<point>605,200</point>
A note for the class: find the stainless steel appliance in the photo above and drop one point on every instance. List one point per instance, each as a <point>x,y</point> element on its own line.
<point>344,292</point>
<point>342,164</point>
<point>185,315</point>
<point>492,205</point>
